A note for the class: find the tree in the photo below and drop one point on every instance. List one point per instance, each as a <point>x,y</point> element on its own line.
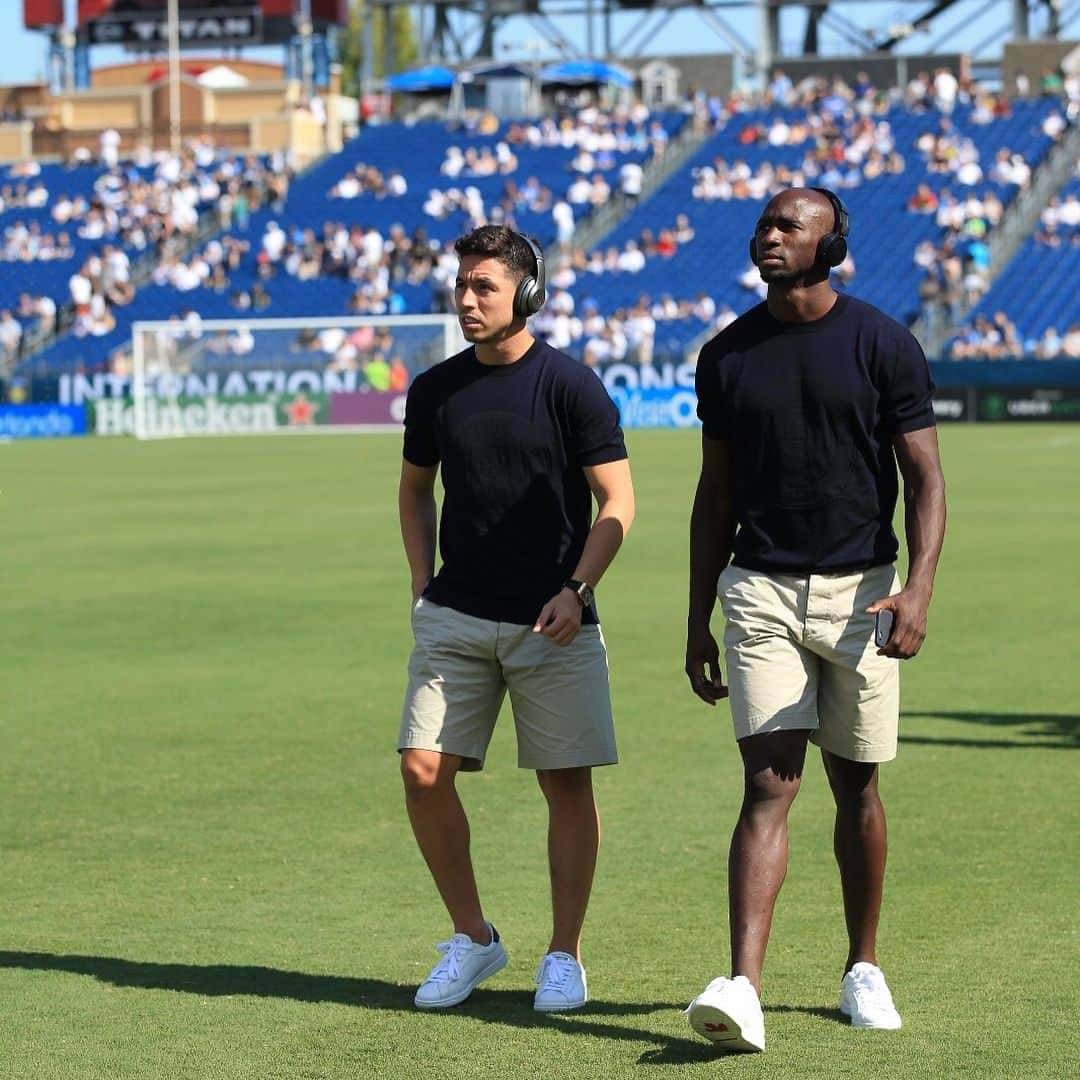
<point>406,48</point>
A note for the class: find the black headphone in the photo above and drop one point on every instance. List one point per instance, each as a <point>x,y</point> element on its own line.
<point>832,247</point>
<point>532,289</point>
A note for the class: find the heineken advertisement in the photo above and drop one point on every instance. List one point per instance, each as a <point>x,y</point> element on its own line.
<point>248,414</point>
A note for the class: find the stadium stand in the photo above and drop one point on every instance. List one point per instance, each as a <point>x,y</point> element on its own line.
<point>365,230</point>
<point>315,210</point>
<point>716,259</point>
<point>1031,308</point>
<point>76,247</point>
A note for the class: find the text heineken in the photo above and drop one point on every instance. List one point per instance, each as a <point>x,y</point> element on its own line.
<point>208,416</point>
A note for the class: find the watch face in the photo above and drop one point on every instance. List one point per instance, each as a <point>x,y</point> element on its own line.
<point>586,595</point>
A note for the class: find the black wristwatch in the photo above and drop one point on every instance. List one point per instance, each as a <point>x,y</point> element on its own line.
<point>582,589</point>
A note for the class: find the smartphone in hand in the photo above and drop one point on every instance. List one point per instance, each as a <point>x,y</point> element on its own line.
<point>883,625</point>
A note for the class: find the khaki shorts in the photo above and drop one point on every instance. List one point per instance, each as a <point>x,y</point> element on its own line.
<point>461,668</point>
<point>801,656</point>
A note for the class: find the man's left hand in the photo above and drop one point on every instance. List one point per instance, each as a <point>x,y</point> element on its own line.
<point>909,609</point>
<point>560,618</point>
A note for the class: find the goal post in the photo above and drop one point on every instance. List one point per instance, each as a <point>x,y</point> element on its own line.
<point>281,376</point>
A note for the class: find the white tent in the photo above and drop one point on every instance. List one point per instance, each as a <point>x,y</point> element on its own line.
<point>220,77</point>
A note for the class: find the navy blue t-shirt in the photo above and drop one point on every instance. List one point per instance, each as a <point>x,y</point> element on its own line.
<point>808,411</point>
<point>511,441</point>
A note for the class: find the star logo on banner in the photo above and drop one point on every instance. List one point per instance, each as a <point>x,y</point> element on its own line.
<point>301,411</point>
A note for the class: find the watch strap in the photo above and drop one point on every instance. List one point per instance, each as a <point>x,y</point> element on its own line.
<point>581,589</point>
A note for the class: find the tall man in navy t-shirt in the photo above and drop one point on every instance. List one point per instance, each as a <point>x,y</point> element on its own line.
<point>808,402</point>
<point>525,437</point>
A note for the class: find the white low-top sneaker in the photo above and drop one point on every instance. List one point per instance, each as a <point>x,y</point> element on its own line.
<point>560,984</point>
<point>464,964</point>
<point>727,1012</point>
<point>865,997</point>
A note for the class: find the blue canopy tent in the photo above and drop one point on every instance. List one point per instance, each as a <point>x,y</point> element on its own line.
<point>583,72</point>
<point>422,81</point>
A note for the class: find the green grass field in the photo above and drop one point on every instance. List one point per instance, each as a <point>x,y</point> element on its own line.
<point>205,866</point>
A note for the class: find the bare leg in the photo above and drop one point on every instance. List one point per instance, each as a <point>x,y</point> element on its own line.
<point>861,846</point>
<point>573,843</point>
<point>772,769</point>
<point>442,831</point>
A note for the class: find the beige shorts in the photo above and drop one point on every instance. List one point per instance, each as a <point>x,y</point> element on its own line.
<point>801,656</point>
<point>461,668</point>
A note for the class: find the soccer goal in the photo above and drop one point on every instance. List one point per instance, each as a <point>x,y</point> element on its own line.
<point>280,376</point>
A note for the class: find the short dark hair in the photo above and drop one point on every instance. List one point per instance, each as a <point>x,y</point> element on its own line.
<point>502,243</point>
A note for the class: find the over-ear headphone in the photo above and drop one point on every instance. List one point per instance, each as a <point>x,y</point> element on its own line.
<point>832,247</point>
<point>532,289</point>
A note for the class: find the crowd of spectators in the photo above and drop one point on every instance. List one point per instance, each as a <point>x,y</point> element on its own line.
<point>364,179</point>
<point>531,195</point>
<point>368,350</point>
<point>841,153</point>
<point>479,161</point>
<point>972,211</point>
<point>24,195</point>
<point>576,267</point>
<point>102,283</point>
<point>598,139</point>
<point>148,206</point>
<point>28,242</point>
<point>153,204</point>
<point>598,135</point>
<point>940,89</point>
<point>839,100</point>
<point>945,151</point>
<point>1059,222</point>
<point>997,338</point>
<point>956,268</point>
<point>628,334</point>
<point>955,275</point>
<point>376,264</point>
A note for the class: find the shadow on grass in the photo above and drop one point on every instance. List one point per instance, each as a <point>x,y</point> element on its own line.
<point>1046,731</point>
<point>506,1007</point>
<point>811,1010</point>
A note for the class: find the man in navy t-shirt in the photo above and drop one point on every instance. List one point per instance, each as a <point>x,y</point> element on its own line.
<point>525,438</point>
<point>808,402</point>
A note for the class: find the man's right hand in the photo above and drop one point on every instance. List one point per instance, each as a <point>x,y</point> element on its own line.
<point>703,666</point>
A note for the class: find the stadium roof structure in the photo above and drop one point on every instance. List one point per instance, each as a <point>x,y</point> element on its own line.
<point>458,31</point>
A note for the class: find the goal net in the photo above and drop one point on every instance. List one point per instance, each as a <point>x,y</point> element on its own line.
<point>281,376</point>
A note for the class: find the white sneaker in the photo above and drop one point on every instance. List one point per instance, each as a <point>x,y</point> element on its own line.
<point>865,997</point>
<point>727,1012</point>
<point>464,964</point>
<point>561,984</point>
